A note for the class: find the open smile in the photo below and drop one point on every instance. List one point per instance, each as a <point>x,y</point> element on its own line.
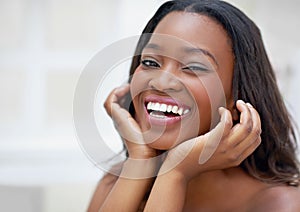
<point>163,110</point>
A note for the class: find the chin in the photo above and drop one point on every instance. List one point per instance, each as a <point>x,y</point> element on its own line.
<point>160,145</point>
<point>168,142</point>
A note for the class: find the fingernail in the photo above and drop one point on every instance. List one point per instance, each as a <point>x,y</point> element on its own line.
<point>249,104</point>
<point>220,109</point>
<point>222,113</point>
<point>241,101</point>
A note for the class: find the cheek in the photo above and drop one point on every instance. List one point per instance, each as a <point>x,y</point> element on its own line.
<point>209,95</point>
<point>227,85</point>
<point>202,109</point>
<point>139,82</point>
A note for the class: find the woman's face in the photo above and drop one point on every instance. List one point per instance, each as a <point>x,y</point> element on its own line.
<point>185,74</point>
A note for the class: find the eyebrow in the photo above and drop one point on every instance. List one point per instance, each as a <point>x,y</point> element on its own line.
<point>186,49</point>
<point>152,46</point>
<point>203,51</point>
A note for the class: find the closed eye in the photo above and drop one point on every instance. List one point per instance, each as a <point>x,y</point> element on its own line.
<point>195,68</point>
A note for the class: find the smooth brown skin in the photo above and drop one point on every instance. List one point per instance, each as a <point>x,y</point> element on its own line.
<point>212,186</point>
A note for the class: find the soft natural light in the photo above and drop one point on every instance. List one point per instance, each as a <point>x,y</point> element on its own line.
<point>44,46</point>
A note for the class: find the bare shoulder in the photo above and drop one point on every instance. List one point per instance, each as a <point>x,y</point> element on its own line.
<point>107,182</point>
<point>109,179</point>
<point>102,190</point>
<point>277,198</point>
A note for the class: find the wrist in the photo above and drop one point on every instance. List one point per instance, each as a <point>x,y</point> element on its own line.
<point>181,172</point>
<point>176,176</point>
<point>142,153</point>
<point>172,187</point>
<point>140,168</point>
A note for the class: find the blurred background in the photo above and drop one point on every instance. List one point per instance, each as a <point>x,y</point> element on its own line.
<point>44,46</point>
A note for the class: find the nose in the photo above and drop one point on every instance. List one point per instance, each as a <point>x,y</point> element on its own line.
<point>165,80</point>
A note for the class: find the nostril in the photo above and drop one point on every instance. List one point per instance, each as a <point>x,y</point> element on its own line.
<point>165,82</point>
<point>152,87</point>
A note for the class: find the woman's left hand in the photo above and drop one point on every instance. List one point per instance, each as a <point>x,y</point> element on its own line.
<point>223,147</point>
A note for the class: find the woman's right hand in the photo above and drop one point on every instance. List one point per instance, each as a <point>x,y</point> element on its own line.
<point>136,177</point>
<point>126,125</point>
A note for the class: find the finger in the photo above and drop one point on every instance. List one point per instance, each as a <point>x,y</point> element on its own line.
<point>212,139</point>
<point>118,93</point>
<point>122,90</point>
<point>226,120</point>
<point>206,144</point>
<point>114,97</point>
<point>126,125</point>
<point>223,127</point>
<point>245,111</point>
<point>248,151</point>
<point>256,128</point>
<point>183,151</point>
<point>254,134</point>
<point>241,130</point>
<point>123,121</point>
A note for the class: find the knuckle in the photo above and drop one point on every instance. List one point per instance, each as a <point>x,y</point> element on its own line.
<point>234,158</point>
<point>257,131</point>
<point>223,150</point>
<point>228,123</point>
<point>105,105</point>
<point>223,147</point>
<point>258,141</point>
<point>108,108</point>
<point>238,162</point>
<point>247,128</point>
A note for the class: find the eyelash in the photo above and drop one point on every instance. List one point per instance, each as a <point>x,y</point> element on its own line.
<point>195,68</point>
<point>149,63</point>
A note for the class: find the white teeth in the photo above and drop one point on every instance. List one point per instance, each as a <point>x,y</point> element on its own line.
<point>174,109</point>
<point>169,109</point>
<point>163,108</point>
<point>180,111</point>
<point>154,114</point>
<point>186,111</point>
<point>149,105</point>
<point>156,107</point>
<point>166,108</point>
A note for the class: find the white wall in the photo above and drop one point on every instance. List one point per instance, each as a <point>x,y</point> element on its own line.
<point>44,45</point>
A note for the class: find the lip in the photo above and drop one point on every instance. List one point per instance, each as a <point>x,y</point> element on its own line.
<point>164,100</point>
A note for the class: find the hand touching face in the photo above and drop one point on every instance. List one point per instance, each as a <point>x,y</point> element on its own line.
<point>184,76</point>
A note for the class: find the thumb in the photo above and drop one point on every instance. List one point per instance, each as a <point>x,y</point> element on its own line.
<point>127,127</point>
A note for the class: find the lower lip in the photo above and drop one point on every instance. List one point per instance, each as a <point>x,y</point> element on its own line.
<point>162,121</point>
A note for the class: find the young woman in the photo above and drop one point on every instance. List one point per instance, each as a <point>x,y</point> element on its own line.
<point>202,57</point>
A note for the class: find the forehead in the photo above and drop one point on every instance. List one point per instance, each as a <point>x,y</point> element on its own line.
<point>195,31</point>
<point>193,28</point>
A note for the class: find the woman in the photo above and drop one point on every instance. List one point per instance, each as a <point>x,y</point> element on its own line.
<point>246,161</point>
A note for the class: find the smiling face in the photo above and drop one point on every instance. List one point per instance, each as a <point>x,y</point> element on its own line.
<point>185,75</point>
